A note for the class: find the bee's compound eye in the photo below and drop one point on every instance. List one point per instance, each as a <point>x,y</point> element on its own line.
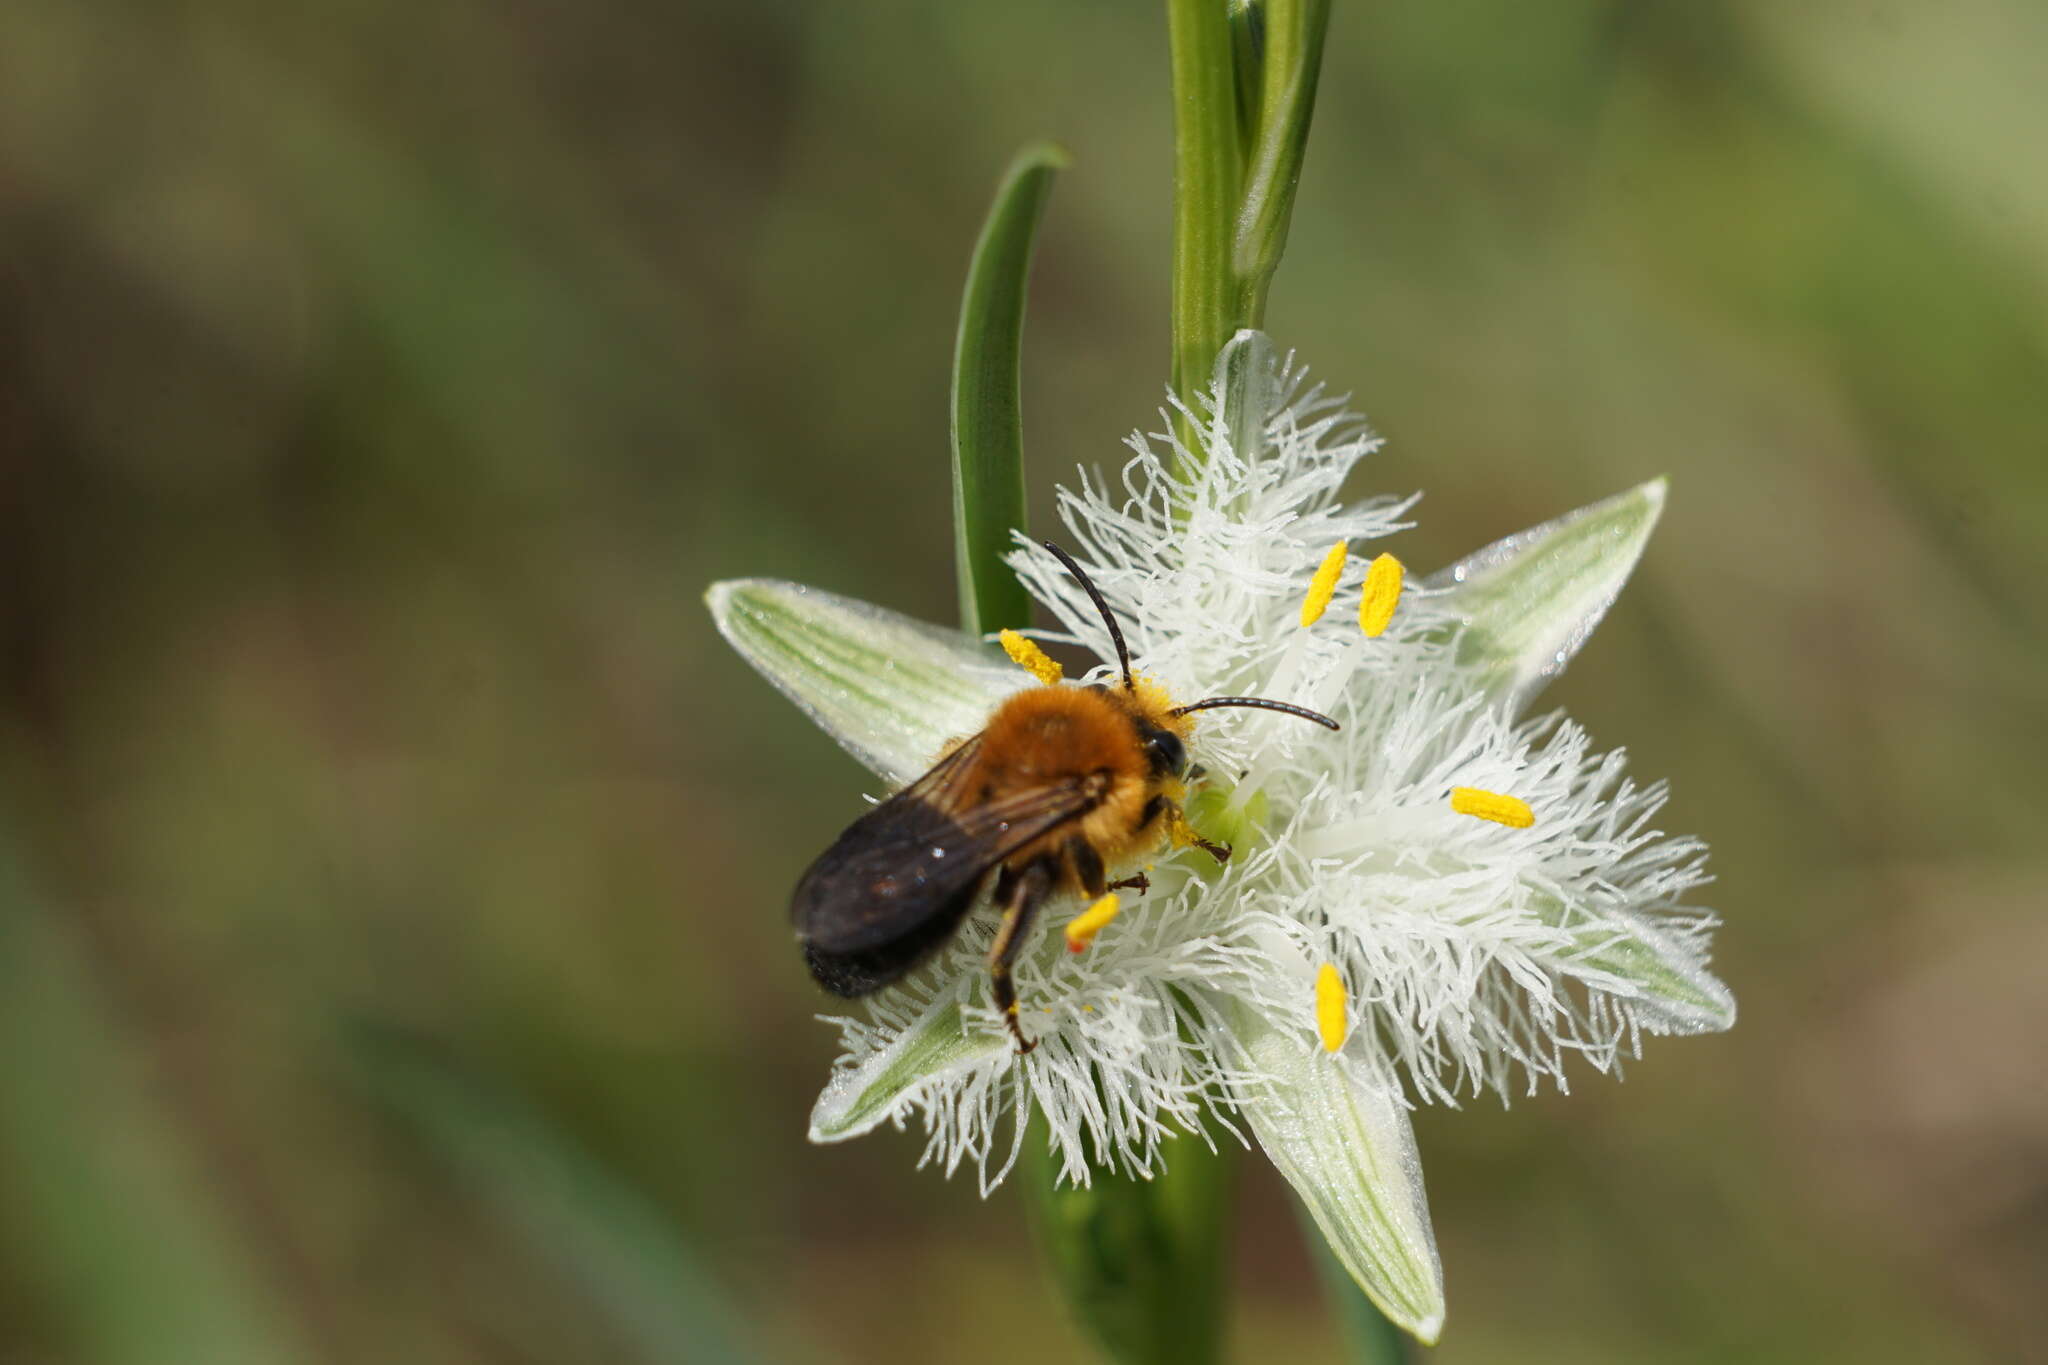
<point>1169,755</point>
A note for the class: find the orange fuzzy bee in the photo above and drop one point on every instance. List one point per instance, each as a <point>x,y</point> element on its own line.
<point>1061,785</point>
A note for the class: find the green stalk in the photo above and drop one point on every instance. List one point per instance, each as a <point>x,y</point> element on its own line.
<point>1208,165</point>
<point>1140,1263</point>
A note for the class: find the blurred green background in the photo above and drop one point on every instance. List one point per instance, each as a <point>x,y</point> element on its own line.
<point>393,963</point>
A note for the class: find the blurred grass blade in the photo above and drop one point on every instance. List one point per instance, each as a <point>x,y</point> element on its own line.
<point>1292,61</point>
<point>107,1214</point>
<point>988,432</point>
<point>1140,1263</point>
<point>621,1251</point>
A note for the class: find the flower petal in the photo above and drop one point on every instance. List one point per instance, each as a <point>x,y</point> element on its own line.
<point>890,689</point>
<point>1247,381</point>
<point>1528,601</point>
<point>889,1083</point>
<point>1348,1150</point>
<point>1666,984</point>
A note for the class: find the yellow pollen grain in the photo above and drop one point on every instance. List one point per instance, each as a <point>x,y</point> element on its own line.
<point>1323,586</point>
<point>1512,811</point>
<point>1082,929</point>
<point>1333,1007</point>
<point>1382,595</point>
<point>1028,656</point>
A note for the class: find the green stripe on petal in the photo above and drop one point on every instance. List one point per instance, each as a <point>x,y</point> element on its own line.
<point>885,1085</point>
<point>1349,1152</point>
<point>1670,989</point>
<point>1528,601</point>
<point>890,689</point>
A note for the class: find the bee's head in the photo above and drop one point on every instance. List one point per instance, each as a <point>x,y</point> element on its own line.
<point>1169,756</point>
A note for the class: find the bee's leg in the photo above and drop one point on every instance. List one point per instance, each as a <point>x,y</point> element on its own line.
<point>1027,891</point>
<point>1154,808</point>
<point>1087,866</point>
<point>1158,806</point>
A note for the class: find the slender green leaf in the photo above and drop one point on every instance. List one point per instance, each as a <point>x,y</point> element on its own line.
<point>1248,62</point>
<point>988,431</point>
<point>1141,1262</point>
<point>1292,61</point>
<point>622,1252</point>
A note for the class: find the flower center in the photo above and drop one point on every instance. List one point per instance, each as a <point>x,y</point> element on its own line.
<point>1382,594</point>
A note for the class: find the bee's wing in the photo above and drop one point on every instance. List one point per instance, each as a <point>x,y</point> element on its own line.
<point>909,868</point>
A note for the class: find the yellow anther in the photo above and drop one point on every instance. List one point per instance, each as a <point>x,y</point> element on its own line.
<point>1082,928</point>
<point>1028,656</point>
<point>1502,810</point>
<point>1333,1007</point>
<point>1382,595</point>
<point>1323,586</point>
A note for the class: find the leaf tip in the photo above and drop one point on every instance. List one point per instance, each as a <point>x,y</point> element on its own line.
<point>1051,155</point>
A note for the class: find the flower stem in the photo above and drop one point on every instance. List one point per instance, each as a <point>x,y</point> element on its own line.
<point>1208,166</point>
<point>1140,1262</point>
<point>1244,90</point>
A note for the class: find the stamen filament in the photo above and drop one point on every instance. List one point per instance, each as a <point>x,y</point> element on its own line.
<point>1082,928</point>
<point>1323,586</point>
<point>1382,595</point>
<point>1502,810</point>
<point>1028,656</point>
<point>1333,1007</point>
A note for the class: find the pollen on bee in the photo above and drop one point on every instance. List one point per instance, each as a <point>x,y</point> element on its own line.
<point>1512,811</point>
<point>1028,656</point>
<point>1333,1007</point>
<point>1323,586</point>
<point>1082,929</point>
<point>1382,595</point>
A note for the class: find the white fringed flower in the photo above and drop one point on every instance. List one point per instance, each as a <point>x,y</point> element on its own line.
<point>1440,900</point>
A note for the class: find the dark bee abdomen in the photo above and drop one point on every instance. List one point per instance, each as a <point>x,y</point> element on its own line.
<point>878,900</point>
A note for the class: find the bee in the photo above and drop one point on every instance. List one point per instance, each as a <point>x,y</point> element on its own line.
<point>1061,785</point>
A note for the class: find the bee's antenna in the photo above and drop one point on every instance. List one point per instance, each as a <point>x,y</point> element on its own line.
<point>1123,656</point>
<point>1258,703</point>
